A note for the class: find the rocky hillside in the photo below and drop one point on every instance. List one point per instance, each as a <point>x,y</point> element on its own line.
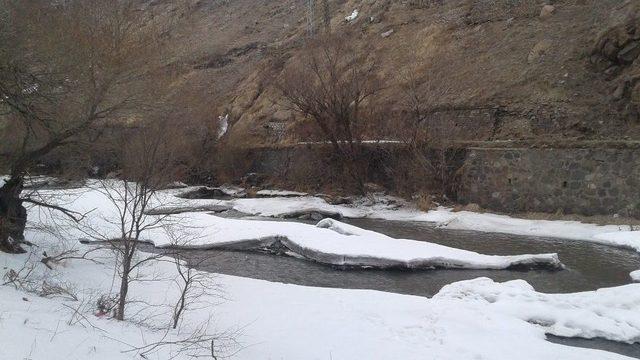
<point>499,69</point>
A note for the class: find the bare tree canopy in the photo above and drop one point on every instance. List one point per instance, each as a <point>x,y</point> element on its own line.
<point>334,85</point>
<point>67,68</point>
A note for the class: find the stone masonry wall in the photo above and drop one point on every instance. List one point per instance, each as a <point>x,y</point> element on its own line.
<point>581,181</point>
<point>586,181</point>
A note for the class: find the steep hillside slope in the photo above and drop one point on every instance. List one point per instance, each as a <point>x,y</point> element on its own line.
<point>500,69</point>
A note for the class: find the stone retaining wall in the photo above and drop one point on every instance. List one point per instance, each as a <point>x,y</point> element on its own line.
<point>581,181</point>
<point>586,181</point>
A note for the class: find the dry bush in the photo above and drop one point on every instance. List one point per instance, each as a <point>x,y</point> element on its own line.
<point>424,201</point>
<point>334,85</point>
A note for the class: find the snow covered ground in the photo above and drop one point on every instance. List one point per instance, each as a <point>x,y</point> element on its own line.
<point>390,208</point>
<point>325,246</point>
<point>474,319</point>
<point>330,242</point>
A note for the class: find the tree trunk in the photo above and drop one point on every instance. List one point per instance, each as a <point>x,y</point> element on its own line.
<point>13,216</point>
<point>124,287</point>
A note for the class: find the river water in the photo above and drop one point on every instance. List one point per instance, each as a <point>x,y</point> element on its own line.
<point>589,266</point>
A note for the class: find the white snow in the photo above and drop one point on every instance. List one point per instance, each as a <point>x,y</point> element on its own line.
<point>330,242</point>
<point>223,125</point>
<point>606,313</point>
<point>353,16</point>
<point>390,208</point>
<point>281,193</point>
<point>475,319</point>
<point>387,33</point>
<point>279,206</point>
<point>614,235</point>
<point>629,239</point>
<point>635,275</point>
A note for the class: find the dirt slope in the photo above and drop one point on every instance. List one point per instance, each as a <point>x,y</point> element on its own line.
<point>505,69</point>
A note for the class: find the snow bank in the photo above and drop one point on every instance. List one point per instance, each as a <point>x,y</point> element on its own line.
<point>224,232</point>
<point>610,313</point>
<point>477,319</point>
<point>398,210</point>
<point>326,243</point>
<point>629,239</point>
<point>395,209</point>
<point>281,321</point>
<point>283,207</point>
<point>635,275</point>
<point>280,193</point>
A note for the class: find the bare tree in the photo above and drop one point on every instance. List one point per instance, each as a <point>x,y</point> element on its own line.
<point>149,161</point>
<point>66,68</point>
<point>427,139</point>
<point>334,85</point>
<point>194,286</point>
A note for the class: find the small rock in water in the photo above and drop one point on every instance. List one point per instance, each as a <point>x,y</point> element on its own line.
<point>315,216</point>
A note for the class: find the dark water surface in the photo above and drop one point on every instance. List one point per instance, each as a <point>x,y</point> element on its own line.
<point>589,266</point>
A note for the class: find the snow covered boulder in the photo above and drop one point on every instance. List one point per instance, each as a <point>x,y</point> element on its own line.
<point>353,16</point>
<point>206,192</point>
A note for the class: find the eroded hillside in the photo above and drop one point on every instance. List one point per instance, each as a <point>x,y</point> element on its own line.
<point>499,69</point>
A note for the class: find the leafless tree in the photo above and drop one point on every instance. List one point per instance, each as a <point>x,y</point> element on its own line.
<point>334,84</point>
<point>194,286</point>
<point>148,165</point>
<point>65,69</point>
<point>427,140</point>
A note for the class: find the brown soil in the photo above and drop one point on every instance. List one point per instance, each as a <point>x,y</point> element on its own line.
<point>495,69</point>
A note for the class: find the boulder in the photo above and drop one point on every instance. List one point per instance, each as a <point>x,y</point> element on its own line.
<point>630,52</point>
<point>254,179</point>
<point>547,11</point>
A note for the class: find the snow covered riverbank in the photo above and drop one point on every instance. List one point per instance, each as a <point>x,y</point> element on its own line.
<point>389,208</point>
<point>397,210</point>
<point>466,320</point>
<point>474,319</point>
<point>330,242</point>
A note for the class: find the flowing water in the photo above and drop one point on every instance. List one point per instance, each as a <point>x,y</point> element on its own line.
<point>589,266</point>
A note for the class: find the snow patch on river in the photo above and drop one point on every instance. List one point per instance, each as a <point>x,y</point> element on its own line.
<point>326,243</point>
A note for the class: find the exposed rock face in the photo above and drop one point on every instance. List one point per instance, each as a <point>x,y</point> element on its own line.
<point>511,69</point>
<point>629,53</point>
